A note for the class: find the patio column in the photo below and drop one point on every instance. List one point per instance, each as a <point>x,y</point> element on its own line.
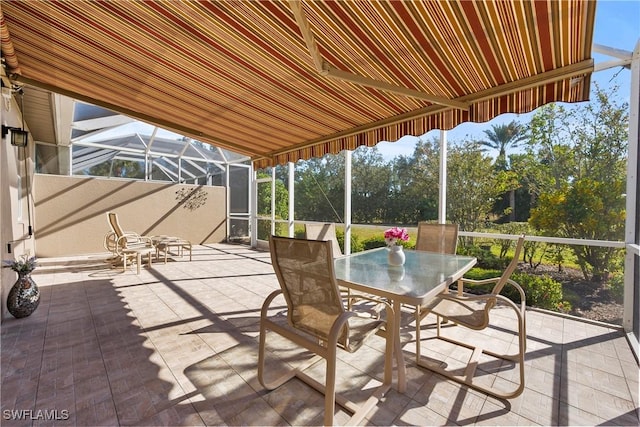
<point>630,319</point>
<point>291,199</point>
<point>442,192</point>
<point>273,200</point>
<point>253,208</point>
<point>347,201</point>
<point>227,176</point>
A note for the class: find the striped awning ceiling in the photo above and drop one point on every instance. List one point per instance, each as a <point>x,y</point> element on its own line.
<point>281,81</point>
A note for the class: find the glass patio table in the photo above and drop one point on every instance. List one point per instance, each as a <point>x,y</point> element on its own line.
<point>424,275</point>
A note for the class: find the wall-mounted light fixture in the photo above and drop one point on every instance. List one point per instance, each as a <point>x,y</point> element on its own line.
<point>19,137</point>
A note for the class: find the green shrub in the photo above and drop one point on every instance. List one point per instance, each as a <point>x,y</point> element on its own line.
<point>616,286</point>
<point>356,245</point>
<point>373,242</point>
<point>486,259</point>
<point>540,291</point>
<point>264,229</point>
<point>482,274</point>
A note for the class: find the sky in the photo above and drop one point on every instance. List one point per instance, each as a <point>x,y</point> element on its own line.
<point>617,25</point>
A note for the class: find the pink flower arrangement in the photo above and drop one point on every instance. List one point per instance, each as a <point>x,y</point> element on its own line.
<point>393,235</point>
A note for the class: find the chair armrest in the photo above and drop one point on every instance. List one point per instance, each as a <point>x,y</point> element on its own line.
<point>125,242</point>
<point>110,242</point>
<point>486,297</point>
<point>136,238</point>
<point>462,281</point>
<point>523,296</point>
<point>267,302</point>
<point>480,282</point>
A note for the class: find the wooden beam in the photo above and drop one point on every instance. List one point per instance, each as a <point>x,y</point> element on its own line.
<point>376,84</point>
<point>325,69</point>
<point>573,70</point>
<point>305,29</point>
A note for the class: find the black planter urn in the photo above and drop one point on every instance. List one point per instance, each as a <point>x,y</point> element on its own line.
<point>24,296</point>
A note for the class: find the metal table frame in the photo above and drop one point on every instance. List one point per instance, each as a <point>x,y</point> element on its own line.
<point>423,275</point>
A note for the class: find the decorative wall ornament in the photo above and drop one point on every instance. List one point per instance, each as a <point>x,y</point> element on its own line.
<point>191,199</point>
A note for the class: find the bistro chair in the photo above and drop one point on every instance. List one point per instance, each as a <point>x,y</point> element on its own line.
<point>317,320</point>
<point>441,238</point>
<point>328,232</point>
<point>473,312</point>
<point>324,232</point>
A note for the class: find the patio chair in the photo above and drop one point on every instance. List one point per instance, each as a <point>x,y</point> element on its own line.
<point>441,238</point>
<point>328,232</point>
<point>127,245</point>
<point>473,312</point>
<point>324,232</point>
<point>317,320</point>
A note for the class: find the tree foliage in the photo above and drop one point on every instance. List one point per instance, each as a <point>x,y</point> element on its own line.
<point>118,168</point>
<point>372,186</point>
<point>582,181</point>
<point>281,198</point>
<point>416,184</point>
<point>500,137</point>
<point>319,189</point>
<point>472,185</point>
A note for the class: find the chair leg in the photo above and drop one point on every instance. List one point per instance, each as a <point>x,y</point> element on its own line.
<point>265,325</point>
<point>467,377</point>
<point>125,257</point>
<point>269,385</point>
<point>330,388</point>
<point>418,339</point>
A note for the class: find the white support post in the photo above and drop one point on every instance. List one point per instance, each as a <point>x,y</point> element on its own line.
<point>227,177</point>
<point>253,208</point>
<point>273,200</point>
<point>631,230</point>
<point>147,166</point>
<point>442,194</point>
<point>347,201</point>
<point>291,198</point>
<point>69,160</point>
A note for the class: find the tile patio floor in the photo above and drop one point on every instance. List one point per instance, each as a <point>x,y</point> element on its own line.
<point>178,345</point>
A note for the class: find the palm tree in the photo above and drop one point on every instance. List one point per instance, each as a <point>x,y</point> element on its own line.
<point>501,137</point>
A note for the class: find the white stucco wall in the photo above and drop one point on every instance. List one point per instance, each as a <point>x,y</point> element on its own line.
<point>15,206</point>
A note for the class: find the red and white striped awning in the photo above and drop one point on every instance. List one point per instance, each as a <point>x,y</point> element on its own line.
<point>282,81</point>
